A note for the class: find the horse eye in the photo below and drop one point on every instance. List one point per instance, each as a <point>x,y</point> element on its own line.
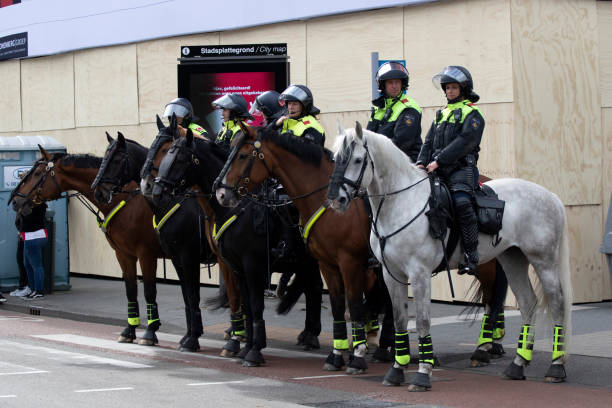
<point>242,156</point>
<point>358,160</point>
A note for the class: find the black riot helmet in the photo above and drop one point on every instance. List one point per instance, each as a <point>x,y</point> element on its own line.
<point>302,94</point>
<point>181,107</point>
<point>235,103</point>
<point>267,103</point>
<point>460,75</point>
<point>391,70</point>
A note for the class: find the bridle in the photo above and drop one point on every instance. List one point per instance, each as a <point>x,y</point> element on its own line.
<point>38,186</point>
<point>117,180</point>
<point>338,178</point>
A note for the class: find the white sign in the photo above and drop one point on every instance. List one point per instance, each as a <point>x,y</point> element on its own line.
<point>11,175</point>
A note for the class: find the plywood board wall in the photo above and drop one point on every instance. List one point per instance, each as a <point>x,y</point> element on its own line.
<point>10,97</point>
<point>604,25</point>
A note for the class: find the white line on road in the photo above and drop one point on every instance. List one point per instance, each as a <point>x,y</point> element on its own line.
<point>106,389</point>
<point>25,372</point>
<point>217,383</point>
<point>8,396</point>
<point>320,376</point>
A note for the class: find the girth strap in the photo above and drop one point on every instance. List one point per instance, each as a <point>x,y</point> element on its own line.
<point>166,217</point>
<point>311,221</point>
<point>226,224</point>
<point>103,224</point>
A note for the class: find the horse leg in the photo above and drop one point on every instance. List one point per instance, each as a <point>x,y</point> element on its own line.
<point>335,360</point>
<point>128,267</point>
<point>192,288</point>
<point>148,265</point>
<point>486,278</point>
<point>313,293</point>
<point>516,266</point>
<point>500,289</point>
<point>355,289</point>
<point>181,275</point>
<point>236,330</point>
<point>385,350</point>
<point>398,295</point>
<point>421,288</point>
<point>248,322</point>
<point>257,284</point>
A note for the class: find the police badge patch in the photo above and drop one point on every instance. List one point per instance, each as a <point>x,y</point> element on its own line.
<point>409,120</point>
<point>475,123</point>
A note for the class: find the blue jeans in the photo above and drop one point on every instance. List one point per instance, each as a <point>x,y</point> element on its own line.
<point>32,259</point>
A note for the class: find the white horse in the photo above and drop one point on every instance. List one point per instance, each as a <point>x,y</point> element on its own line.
<point>534,232</point>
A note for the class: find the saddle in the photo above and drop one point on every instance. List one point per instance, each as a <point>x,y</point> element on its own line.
<point>489,212</point>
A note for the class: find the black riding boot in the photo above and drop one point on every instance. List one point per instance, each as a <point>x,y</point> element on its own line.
<point>469,237</point>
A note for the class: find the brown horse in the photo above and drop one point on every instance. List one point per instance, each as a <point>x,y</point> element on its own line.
<point>127,226</point>
<point>338,241</point>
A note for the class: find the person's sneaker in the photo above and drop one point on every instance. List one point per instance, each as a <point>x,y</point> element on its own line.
<point>21,292</point>
<point>34,295</point>
<point>2,298</point>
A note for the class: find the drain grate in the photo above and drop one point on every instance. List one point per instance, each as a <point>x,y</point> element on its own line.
<point>35,311</point>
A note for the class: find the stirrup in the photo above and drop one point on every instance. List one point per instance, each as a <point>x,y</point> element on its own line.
<point>468,267</point>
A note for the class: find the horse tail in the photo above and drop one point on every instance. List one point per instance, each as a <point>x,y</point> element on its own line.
<point>294,291</point>
<point>220,300</point>
<point>566,284</point>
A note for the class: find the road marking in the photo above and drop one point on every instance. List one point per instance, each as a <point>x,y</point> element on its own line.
<point>78,357</point>
<point>106,389</point>
<point>217,383</point>
<point>8,396</point>
<point>25,372</point>
<point>23,319</point>
<point>468,317</point>
<point>320,376</point>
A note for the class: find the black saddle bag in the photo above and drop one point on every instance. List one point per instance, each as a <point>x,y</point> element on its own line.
<point>489,210</point>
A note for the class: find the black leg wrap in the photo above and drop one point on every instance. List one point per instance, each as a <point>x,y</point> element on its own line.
<point>128,335</point>
<point>254,358</point>
<point>422,380</point>
<point>394,377</point>
<point>149,338</point>
<point>383,355</point>
<point>356,365</point>
<point>233,346</point>
<point>334,362</point>
<point>259,334</point>
<point>481,356</point>
<point>308,341</point>
<point>191,344</point>
<point>514,372</point>
<point>497,351</point>
<point>556,373</point>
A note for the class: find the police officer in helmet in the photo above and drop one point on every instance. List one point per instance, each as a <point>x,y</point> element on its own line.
<point>451,147</point>
<point>183,110</point>
<point>268,104</point>
<point>394,113</point>
<point>234,109</point>
<point>300,119</point>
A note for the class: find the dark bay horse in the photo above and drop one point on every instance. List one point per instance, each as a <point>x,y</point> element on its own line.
<point>126,224</point>
<point>338,241</point>
<point>241,237</point>
<point>182,233</point>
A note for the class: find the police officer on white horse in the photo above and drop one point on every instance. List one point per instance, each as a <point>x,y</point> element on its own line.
<point>451,149</point>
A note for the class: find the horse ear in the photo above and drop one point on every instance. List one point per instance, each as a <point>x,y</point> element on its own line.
<point>340,128</point>
<point>120,138</point>
<point>109,138</point>
<point>189,137</point>
<point>44,153</point>
<point>160,124</point>
<point>358,130</point>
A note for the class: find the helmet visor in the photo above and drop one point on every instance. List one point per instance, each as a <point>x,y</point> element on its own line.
<point>449,75</point>
<point>391,66</point>
<point>293,93</point>
<point>178,110</point>
<point>223,102</point>
<point>256,108</point>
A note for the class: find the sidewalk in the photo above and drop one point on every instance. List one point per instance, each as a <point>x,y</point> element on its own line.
<point>104,301</point>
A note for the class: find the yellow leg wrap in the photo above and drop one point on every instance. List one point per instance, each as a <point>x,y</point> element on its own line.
<point>525,344</point>
<point>558,343</point>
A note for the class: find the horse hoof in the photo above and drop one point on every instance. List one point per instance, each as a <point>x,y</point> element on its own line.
<point>334,362</point>
<point>254,358</point>
<point>480,358</point>
<point>331,367</point>
<point>147,342</point>
<point>514,372</point>
<point>353,371</point>
<point>555,374</point>
<point>420,383</point>
<point>123,339</point>
<point>417,388</point>
<point>250,364</point>
<point>227,353</point>
<point>394,377</point>
<point>310,342</point>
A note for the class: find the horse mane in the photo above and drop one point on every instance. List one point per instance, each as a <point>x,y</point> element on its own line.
<point>82,161</point>
<point>299,146</point>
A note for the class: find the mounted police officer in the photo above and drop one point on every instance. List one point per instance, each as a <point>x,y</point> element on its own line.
<point>268,104</point>
<point>300,119</point>
<point>394,113</point>
<point>183,110</point>
<point>234,110</point>
<point>451,147</point>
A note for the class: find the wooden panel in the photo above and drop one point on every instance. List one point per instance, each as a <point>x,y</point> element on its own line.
<point>329,121</point>
<point>604,25</point>
<point>47,92</point>
<point>157,71</point>
<point>106,88</point>
<point>586,262</point>
<point>474,34</point>
<point>606,187</point>
<point>10,97</point>
<point>292,33</point>
<point>338,50</point>
<point>557,103</point>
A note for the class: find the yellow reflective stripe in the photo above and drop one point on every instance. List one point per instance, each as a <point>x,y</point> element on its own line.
<point>114,211</point>
<point>558,343</point>
<point>312,220</point>
<point>134,321</point>
<point>342,344</point>
<point>165,218</point>
<point>466,108</point>
<point>225,225</point>
<point>197,129</point>
<point>398,107</point>
<point>298,127</point>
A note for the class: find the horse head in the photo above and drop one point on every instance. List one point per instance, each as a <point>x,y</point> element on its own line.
<point>114,171</point>
<point>175,172</point>
<point>245,168</point>
<point>40,184</point>
<point>159,148</point>
<point>351,160</point>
